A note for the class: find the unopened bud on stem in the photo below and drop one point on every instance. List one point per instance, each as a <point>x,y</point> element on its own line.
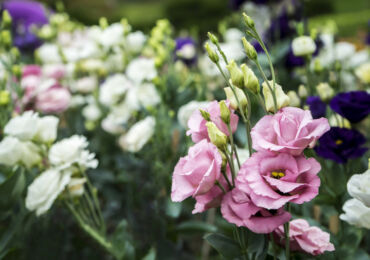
<point>249,49</point>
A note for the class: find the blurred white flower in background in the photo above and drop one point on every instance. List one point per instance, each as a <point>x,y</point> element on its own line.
<point>135,41</point>
<point>112,90</point>
<point>303,45</point>
<point>356,213</point>
<point>358,187</point>
<point>186,110</point>
<point>141,69</point>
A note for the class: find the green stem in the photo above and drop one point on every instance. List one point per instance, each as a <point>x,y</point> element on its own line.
<point>262,102</point>
<point>287,240</point>
<point>273,245</point>
<point>233,173</point>
<point>221,187</point>
<point>233,146</point>
<point>248,125</point>
<point>222,53</point>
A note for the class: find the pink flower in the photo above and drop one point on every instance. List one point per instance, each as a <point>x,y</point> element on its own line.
<point>290,130</point>
<point>196,173</point>
<point>238,208</point>
<point>197,124</point>
<point>304,238</point>
<point>34,70</point>
<point>273,179</point>
<point>53,100</point>
<point>56,71</point>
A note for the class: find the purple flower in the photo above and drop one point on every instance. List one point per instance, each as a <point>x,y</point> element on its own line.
<point>185,50</point>
<point>25,15</point>
<point>353,105</point>
<point>341,144</point>
<point>317,107</point>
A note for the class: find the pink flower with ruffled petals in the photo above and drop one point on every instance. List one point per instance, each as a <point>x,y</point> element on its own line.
<point>53,100</point>
<point>305,238</point>
<point>197,124</point>
<point>238,208</point>
<point>291,130</point>
<point>34,70</point>
<point>273,179</point>
<point>196,173</point>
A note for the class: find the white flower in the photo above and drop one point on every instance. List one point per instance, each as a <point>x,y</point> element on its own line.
<point>233,50</point>
<point>30,154</point>
<point>112,35</point>
<point>135,41</point>
<point>356,213</point>
<point>91,112</point>
<point>77,100</point>
<point>47,128</point>
<point>187,110</point>
<point>344,50</point>
<point>141,69</point>
<point>115,61</point>
<point>49,53</point>
<point>282,100</point>
<point>363,73</point>
<point>148,95</point>
<point>43,191</point>
<point>24,127</point>
<point>113,124</point>
<point>325,91</point>
<point>187,51</point>
<point>138,135</point>
<point>72,150</point>
<point>113,89</point>
<point>359,187</point>
<point>303,45</point>
<point>86,84</point>
<point>233,35</point>
<point>76,186</point>
<point>294,100</point>
<point>10,152</point>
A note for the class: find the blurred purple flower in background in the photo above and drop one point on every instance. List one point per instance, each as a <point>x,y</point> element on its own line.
<point>25,15</point>
<point>185,50</point>
<point>317,107</point>
<point>341,144</point>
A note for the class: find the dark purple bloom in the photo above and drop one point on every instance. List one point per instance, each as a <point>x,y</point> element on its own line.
<point>341,144</point>
<point>185,50</point>
<point>317,106</point>
<point>353,105</point>
<point>292,61</point>
<point>25,15</point>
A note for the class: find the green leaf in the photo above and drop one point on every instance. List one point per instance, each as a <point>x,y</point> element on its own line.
<point>257,244</point>
<point>225,246</point>
<point>121,242</point>
<point>196,226</point>
<point>11,189</point>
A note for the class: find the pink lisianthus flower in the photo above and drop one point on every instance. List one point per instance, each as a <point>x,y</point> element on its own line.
<point>196,173</point>
<point>273,179</point>
<point>291,130</point>
<point>303,237</point>
<point>55,71</point>
<point>197,124</point>
<point>53,100</point>
<point>238,208</point>
<point>34,70</point>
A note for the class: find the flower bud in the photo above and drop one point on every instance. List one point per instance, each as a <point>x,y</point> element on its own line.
<point>282,100</point>
<point>6,19</point>
<point>294,100</point>
<point>224,160</point>
<point>300,29</point>
<point>236,74</point>
<point>16,70</point>
<point>317,67</point>
<point>205,115</point>
<point>225,112</point>
<point>6,38</point>
<point>217,137</point>
<point>302,91</point>
<point>231,97</point>
<point>249,49</point>
<point>303,46</point>
<point>248,20</point>
<point>4,97</point>
<point>337,120</point>
<point>250,79</point>
<point>313,34</point>
<point>103,22</point>
<point>213,38</point>
<point>15,53</point>
<point>325,91</point>
<point>211,53</point>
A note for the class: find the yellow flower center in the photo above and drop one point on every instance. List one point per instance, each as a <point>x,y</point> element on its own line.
<point>277,174</point>
<point>338,142</point>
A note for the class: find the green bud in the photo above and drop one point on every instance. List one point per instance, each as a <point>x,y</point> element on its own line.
<point>60,6</point>
<point>317,67</point>
<point>313,34</point>
<point>224,160</point>
<point>243,101</point>
<point>236,74</point>
<point>6,38</point>
<point>7,19</point>
<point>205,115</point>
<point>211,53</point>
<point>294,100</point>
<point>302,91</point>
<point>16,70</point>
<point>217,137</point>
<point>249,49</point>
<point>213,38</point>
<point>90,125</point>
<point>325,91</point>
<point>4,97</point>
<point>248,20</point>
<point>250,79</point>
<point>225,112</point>
<point>338,66</point>
<point>300,29</point>
<point>103,22</point>
<point>15,52</point>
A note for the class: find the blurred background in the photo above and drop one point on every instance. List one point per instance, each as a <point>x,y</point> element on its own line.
<point>351,16</point>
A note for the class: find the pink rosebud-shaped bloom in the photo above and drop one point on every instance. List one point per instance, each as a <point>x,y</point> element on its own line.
<point>290,130</point>
<point>197,124</point>
<point>273,179</point>
<point>196,173</point>
<point>34,70</point>
<point>53,100</point>
<point>305,238</point>
<point>238,208</point>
